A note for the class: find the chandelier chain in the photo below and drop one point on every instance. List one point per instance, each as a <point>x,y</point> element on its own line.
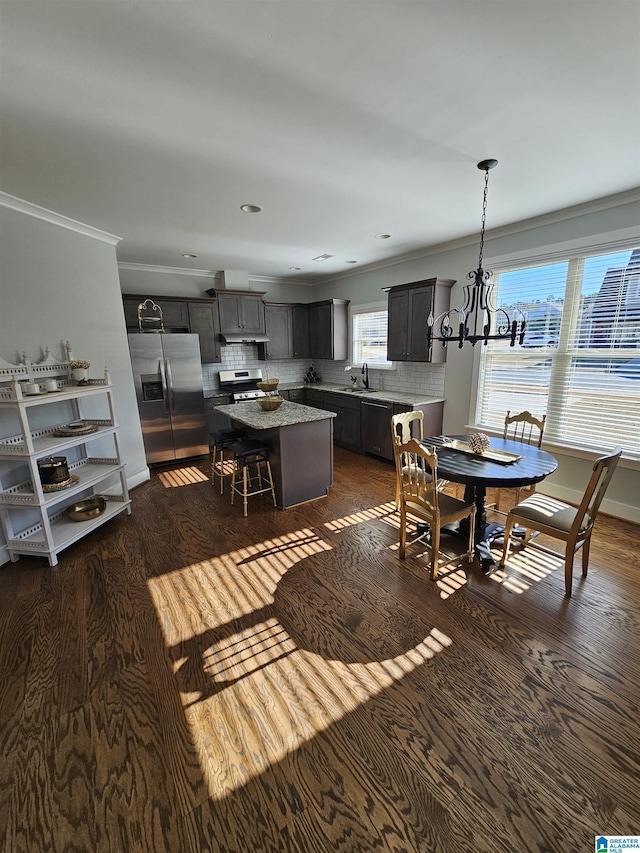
<point>484,216</point>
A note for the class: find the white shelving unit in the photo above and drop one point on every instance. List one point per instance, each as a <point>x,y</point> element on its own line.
<point>34,520</point>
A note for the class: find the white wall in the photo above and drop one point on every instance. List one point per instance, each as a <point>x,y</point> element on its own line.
<point>595,224</point>
<point>58,284</point>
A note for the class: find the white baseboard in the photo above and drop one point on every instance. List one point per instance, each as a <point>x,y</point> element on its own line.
<point>609,507</point>
<point>139,478</point>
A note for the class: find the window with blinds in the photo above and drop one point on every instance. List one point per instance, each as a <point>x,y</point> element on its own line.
<point>369,335</point>
<point>580,361</point>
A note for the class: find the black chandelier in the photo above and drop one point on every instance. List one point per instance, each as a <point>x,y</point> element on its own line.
<point>479,319</point>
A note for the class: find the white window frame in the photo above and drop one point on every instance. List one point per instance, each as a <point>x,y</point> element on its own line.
<point>575,256</point>
<point>369,308</point>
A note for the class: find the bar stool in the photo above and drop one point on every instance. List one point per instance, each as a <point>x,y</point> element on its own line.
<point>222,467</point>
<point>249,457</point>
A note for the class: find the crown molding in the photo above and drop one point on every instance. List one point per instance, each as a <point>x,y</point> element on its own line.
<point>21,206</point>
<point>215,274</point>
<point>125,265</point>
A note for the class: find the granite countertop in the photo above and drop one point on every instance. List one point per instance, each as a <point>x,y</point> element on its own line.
<point>403,397</point>
<point>250,414</point>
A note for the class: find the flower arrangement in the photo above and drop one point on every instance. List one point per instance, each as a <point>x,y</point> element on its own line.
<point>79,364</point>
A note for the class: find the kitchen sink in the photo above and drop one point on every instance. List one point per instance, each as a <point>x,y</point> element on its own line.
<point>359,390</point>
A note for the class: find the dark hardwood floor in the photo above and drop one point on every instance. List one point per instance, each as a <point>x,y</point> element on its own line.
<point>187,680</point>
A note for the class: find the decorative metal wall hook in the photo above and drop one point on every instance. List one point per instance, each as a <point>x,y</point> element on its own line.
<point>478,319</point>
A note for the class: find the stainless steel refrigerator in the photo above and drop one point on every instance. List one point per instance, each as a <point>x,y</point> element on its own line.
<point>168,380</point>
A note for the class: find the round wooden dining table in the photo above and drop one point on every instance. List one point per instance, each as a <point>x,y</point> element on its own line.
<point>478,473</point>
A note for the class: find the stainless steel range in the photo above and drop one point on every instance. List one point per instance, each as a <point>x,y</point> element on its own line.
<point>241,384</point>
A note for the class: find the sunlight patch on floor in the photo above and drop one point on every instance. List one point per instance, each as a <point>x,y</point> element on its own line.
<point>451,582</point>
<point>526,567</point>
<point>230,656</point>
<point>182,477</point>
<point>372,514</point>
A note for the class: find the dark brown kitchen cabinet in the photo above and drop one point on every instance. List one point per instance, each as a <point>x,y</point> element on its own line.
<point>215,419</point>
<point>240,311</point>
<point>433,414</point>
<point>297,395</point>
<point>195,316</point>
<point>409,307</point>
<point>287,328</point>
<point>329,329</point>
<point>346,424</point>
<point>279,329</point>
<point>314,398</point>
<point>175,313</point>
<point>203,321</point>
<point>300,325</point>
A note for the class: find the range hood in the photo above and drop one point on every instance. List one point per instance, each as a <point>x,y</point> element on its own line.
<point>246,338</point>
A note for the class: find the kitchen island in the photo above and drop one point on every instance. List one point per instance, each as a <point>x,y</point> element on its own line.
<point>300,441</point>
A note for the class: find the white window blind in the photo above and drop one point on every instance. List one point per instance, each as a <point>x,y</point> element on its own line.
<point>370,337</point>
<point>580,362</point>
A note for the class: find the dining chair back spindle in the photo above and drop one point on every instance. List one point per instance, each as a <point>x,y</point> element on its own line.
<point>404,427</point>
<point>526,429</point>
<point>423,500</point>
<point>572,525</point>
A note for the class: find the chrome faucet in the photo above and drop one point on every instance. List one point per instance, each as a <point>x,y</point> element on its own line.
<point>365,375</point>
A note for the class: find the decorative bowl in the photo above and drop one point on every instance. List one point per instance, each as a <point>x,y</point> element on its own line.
<point>268,385</point>
<point>87,509</point>
<point>270,404</point>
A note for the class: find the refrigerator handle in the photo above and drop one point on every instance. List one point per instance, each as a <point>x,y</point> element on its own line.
<point>165,392</point>
<point>170,384</point>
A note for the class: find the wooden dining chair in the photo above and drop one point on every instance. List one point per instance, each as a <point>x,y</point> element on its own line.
<point>421,497</point>
<point>404,427</point>
<point>572,525</point>
<point>524,428</point>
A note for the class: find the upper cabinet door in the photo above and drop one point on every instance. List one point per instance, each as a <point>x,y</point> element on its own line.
<point>241,312</point>
<point>203,321</point>
<point>279,330</point>
<point>398,326</point>
<point>175,314</point>
<point>300,323</point>
<point>409,308</point>
<point>253,314</point>
<point>328,329</point>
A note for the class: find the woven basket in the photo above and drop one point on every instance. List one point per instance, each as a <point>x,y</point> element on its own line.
<point>268,385</point>
<point>270,404</point>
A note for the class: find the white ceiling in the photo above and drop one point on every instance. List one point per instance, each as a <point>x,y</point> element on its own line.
<point>156,120</point>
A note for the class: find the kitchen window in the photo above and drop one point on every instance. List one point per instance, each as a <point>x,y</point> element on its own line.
<point>369,336</point>
<point>580,361</point>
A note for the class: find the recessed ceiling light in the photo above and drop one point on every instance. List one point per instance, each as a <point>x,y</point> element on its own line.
<point>189,255</point>
<point>250,208</point>
<point>295,268</point>
<point>351,262</point>
<point>322,258</point>
<point>382,236</point>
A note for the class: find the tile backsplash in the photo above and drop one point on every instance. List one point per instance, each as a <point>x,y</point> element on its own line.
<point>410,377</point>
